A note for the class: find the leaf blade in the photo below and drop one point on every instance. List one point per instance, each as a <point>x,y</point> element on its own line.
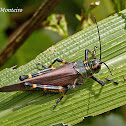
<point>21,108</point>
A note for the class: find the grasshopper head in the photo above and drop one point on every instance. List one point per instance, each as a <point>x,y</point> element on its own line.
<point>96,66</point>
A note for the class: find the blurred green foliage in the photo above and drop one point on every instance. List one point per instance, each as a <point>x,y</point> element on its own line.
<point>42,39</point>
<point>57,23</point>
<point>108,120</point>
<point>4,22</point>
<point>46,38</point>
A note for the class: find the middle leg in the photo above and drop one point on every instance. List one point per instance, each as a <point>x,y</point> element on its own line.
<point>76,84</point>
<point>58,60</point>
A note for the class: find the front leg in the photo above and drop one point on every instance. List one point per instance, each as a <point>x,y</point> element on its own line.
<point>103,83</point>
<point>88,51</point>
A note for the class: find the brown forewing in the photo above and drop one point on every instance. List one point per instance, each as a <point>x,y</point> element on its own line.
<point>61,76</point>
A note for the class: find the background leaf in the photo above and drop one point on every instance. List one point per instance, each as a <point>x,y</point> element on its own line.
<point>90,99</point>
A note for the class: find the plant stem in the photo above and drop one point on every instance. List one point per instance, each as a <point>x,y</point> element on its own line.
<point>26,29</point>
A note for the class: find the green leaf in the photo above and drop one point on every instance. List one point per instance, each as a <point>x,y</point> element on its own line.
<point>119,5</point>
<point>90,99</point>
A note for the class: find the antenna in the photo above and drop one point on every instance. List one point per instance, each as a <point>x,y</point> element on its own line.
<point>99,36</point>
<point>107,67</point>
<point>100,46</point>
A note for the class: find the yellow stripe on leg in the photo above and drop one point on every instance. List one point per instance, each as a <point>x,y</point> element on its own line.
<point>33,86</point>
<point>29,76</point>
<point>44,88</point>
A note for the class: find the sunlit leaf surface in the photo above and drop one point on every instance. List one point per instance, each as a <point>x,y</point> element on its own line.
<point>32,108</point>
